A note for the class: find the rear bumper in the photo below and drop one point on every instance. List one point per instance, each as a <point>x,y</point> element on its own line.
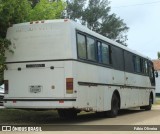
<point>39,103</point>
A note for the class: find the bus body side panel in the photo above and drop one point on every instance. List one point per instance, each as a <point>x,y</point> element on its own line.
<point>137,80</point>
<point>94,86</point>
<point>97,97</point>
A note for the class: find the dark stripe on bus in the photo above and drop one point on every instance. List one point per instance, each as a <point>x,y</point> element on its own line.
<point>78,60</point>
<point>115,85</point>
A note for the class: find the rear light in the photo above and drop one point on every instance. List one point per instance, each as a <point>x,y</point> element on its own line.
<point>36,22</point>
<point>69,85</point>
<point>65,20</point>
<point>61,101</point>
<point>6,86</point>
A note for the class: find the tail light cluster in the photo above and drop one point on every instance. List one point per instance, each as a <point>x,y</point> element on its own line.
<point>69,85</point>
<point>6,86</point>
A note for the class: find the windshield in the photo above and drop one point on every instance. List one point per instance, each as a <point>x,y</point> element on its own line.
<point>2,89</point>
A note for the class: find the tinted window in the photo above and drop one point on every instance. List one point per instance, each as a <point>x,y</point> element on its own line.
<point>137,64</point>
<point>129,66</point>
<point>117,58</point>
<point>81,46</point>
<point>151,73</point>
<point>99,52</point>
<point>145,67</point>
<point>105,53</point>
<point>91,49</point>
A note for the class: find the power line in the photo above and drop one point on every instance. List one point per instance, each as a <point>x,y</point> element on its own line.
<point>141,4</point>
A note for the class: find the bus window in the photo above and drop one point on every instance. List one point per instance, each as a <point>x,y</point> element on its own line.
<point>137,64</point>
<point>99,52</point>
<point>91,49</point>
<point>151,74</point>
<point>145,67</point>
<point>105,53</point>
<point>81,42</point>
<point>117,58</point>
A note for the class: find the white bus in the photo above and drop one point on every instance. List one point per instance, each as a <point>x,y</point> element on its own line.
<point>62,65</point>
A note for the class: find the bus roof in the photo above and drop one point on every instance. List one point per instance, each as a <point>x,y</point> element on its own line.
<point>85,30</point>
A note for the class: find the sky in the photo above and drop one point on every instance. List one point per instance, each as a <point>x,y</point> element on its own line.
<point>143,19</point>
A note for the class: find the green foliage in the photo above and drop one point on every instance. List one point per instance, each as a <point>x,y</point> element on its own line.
<point>47,10</point>
<point>96,15</point>
<point>17,11</point>
<point>4,45</point>
<point>75,9</point>
<point>33,2</point>
<point>13,11</point>
<point>158,54</point>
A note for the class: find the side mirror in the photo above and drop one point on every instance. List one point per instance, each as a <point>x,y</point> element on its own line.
<point>156,74</point>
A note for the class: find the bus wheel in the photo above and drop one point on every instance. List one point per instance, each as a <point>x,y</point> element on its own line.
<point>114,106</point>
<point>148,107</point>
<point>67,113</point>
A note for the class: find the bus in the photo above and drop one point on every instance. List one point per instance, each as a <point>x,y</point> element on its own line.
<point>62,65</point>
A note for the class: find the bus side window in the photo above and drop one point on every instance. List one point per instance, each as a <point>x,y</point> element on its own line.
<point>99,52</point>
<point>151,73</point>
<point>137,64</point>
<point>145,67</point>
<point>81,44</point>
<point>105,54</point>
<point>91,49</point>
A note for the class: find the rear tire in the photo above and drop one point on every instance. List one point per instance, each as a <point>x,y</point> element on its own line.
<point>114,106</point>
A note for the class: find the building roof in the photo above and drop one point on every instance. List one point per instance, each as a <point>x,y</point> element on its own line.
<point>156,64</point>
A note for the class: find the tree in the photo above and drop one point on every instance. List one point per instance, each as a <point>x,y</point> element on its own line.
<point>96,15</point>
<point>158,54</point>
<point>75,9</point>
<point>4,45</point>
<point>33,2</point>
<point>47,10</point>
<point>18,11</point>
<point>11,11</point>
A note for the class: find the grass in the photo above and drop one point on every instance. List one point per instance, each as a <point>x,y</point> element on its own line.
<point>14,116</point>
<point>157,102</point>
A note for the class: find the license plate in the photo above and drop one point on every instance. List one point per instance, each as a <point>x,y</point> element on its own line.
<point>35,89</point>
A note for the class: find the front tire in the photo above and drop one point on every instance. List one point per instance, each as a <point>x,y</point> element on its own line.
<point>114,106</point>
